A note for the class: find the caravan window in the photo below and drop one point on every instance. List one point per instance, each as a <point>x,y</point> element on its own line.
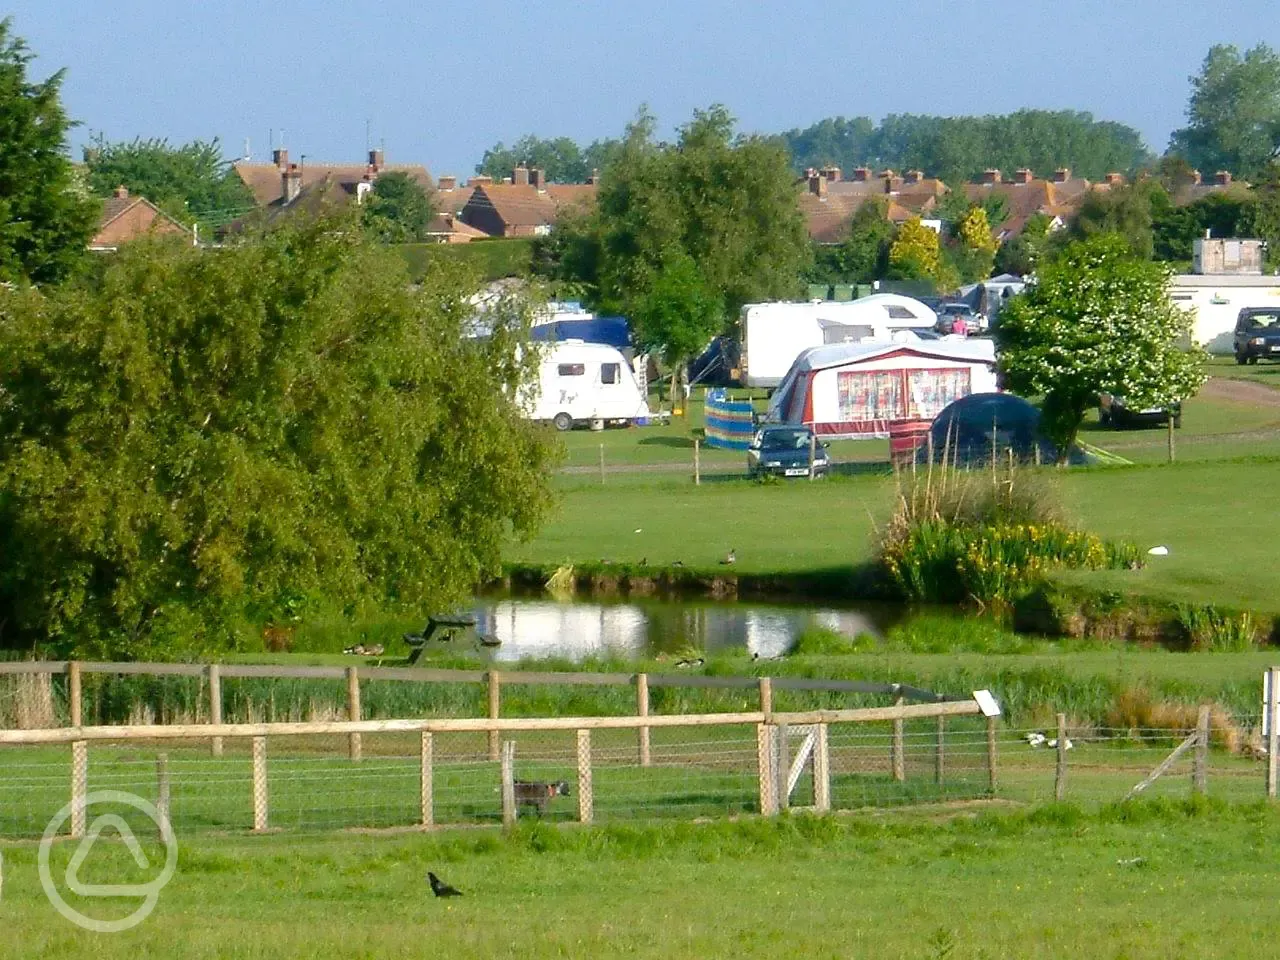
<point>610,373</point>
<point>900,313</point>
<point>571,369</point>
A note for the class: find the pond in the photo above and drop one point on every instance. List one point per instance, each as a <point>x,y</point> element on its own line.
<point>537,628</point>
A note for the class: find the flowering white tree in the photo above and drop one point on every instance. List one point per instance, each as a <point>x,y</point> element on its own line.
<point>1098,320</point>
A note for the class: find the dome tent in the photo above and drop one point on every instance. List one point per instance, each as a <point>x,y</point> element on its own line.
<point>968,431</point>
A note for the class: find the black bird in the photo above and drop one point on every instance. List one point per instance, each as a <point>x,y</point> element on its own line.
<point>691,662</point>
<point>442,889</point>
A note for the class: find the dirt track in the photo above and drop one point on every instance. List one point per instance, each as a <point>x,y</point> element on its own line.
<point>1241,391</point>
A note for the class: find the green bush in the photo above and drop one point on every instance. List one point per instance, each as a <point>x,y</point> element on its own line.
<point>963,537</point>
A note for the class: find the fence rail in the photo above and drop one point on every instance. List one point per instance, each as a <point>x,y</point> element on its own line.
<point>429,771</point>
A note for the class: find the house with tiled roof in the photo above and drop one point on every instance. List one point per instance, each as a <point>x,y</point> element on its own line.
<point>1194,188</point>
<point>528,206</point>
<point>829,201</point>
<point>125,218</point>
<point>1026,196</point>
<point>280,182</point>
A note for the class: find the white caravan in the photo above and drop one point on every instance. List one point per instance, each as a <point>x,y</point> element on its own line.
<point>580,382</point>
<point>774,334</point>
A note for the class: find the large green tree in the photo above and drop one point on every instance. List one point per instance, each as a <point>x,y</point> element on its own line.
<point>1098,319</point>
<point>960,148</point>
<point>45,221</point>
<point>192,181</point>
<point>398,210</point>
<point>560,158</point>
<point>725,203</point>
<point>863,256</point>
<point>211,439</point>
<point>1233,116</point>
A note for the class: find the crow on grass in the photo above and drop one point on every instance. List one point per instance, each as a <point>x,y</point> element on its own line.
<point>442,889</point>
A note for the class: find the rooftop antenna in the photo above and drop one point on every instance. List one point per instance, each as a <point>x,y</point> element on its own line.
<point>368,137</point>
<point>271,138</point>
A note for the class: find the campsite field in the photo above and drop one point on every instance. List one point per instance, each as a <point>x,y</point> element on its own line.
<point>1156,880</point>
<point>1219,519</point>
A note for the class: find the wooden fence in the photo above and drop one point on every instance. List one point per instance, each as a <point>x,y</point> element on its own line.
<point>777,770</point>
<point>494,680</point>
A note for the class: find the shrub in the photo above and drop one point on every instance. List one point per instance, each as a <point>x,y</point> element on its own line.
<point>1211,629</point>
<point>960,537</point>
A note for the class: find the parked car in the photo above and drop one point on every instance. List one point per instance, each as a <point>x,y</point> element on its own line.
<point>950,311</point>
<point>1257,335</point>
<point>1113,412</point>
<point>782,450</point>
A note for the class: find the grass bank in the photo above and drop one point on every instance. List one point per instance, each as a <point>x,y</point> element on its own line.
<point>1152,880</point>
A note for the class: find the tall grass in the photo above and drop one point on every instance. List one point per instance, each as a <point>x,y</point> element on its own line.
<point>986,538</point>
<point>1211,629</point>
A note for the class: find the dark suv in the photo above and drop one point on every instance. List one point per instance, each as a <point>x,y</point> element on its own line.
<point>1257,334</point>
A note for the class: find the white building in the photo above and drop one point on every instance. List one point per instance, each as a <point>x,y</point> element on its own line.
<point>1218,299</point>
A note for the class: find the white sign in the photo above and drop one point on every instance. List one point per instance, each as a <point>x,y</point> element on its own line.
<point>987,703</point>
<point>1266,700</point>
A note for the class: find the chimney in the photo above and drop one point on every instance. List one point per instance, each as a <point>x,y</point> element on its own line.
<point>990,177</point>
<point>861,174</point>
<point>833,174</point>
<point>1195,178</point>
<point>1023,175</point>
<point>538,179</point>
<point>892,182</point>
<point>121,192</point>
<point>376,162</point>
<point>818,185</point>
<point>1115,179</point>
<point>520,176</point>
<point>291,184</point>
<point>281,159</point>
<point>914,176</point>
<point>1062,175</point>
<point>479,180</point>
<point>1222,178</point>
<point>447,183</point>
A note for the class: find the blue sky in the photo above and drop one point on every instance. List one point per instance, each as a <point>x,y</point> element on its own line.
<point>441,83</point>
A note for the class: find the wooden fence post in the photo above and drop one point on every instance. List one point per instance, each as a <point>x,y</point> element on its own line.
<point>1060,775</point>
<point>1200,762</point>
<point>79,786</point>
<point>642,710</point>
<point>697,462</point>
<point>261,800</point>
<point>896,750</point>
<point>495,704</point>
<point>74,695</point>
<point>821,771</point>
<point>353,711</point>
<point>766,699</point>
<point>1273,735</point>
<point>991,755</point>
<point>428,788</point>
<point>215,703</point>
<point>162,791</point>
<point>586,797</point>
<point>938,746</point>
<point>764,768</point>
<point>602,463</point>
<point>508,783</point>
<point>781,765</point>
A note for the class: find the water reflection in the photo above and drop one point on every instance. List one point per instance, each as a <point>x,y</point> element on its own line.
<point>543,628</point>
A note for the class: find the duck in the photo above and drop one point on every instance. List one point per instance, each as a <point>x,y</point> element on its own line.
<point>376,650</point>
<point>730,557</point>
<point>487,640</point>
<point>356,651</point>
<point>691,662</point>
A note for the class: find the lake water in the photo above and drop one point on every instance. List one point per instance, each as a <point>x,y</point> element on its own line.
<point>577,630</point>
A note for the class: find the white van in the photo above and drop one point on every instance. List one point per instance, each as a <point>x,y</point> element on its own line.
<point>580,382</point>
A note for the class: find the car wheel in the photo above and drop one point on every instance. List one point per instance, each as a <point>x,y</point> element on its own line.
<point>1241,359</point>
<point>1253,361</point>
<point>1104,417</point>
<point>562,421</point>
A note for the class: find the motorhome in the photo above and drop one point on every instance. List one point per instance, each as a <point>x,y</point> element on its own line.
<point>774,334</point>
<point>582,382</point>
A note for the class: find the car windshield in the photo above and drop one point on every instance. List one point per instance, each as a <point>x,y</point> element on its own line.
<point>784,440</point>
<point>955,308</point>
<point>1264,321</point>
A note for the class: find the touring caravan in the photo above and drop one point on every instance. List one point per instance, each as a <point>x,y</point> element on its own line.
<point>774,334</point>
<point>850,391</point>
<point>583,382</point>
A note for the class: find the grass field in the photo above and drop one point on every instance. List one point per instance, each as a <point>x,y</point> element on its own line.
<point>1155,880</point>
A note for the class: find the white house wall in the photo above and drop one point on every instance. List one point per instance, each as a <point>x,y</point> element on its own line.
<point>1217,306</point>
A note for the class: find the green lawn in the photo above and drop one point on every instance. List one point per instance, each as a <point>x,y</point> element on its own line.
<point>1265,373</point>
<point>1159,880</point>
<point>1219,519</point>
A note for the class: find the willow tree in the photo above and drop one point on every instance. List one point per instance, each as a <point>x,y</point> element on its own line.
<point>209,439</point>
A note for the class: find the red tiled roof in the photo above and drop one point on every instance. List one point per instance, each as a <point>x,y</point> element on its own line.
<point>520,205</point>
<point>264,179</point>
